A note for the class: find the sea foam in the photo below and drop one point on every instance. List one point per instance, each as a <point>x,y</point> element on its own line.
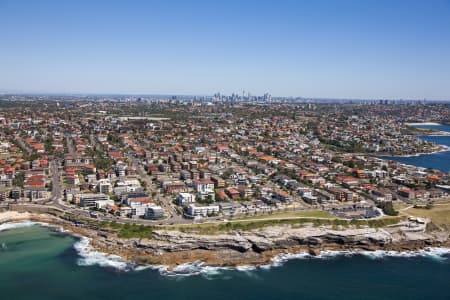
<point>431,252</point>
<point>91,257</point>
<point>17,225</point>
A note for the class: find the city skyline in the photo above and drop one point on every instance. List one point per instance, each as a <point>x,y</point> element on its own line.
<point>325,49</point>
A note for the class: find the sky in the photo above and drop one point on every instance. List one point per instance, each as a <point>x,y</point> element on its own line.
<point>367,49</point>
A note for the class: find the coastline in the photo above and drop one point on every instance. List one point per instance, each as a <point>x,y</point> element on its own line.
<point>442,148</point>
<point>423,124</point>
<point>174,253</point>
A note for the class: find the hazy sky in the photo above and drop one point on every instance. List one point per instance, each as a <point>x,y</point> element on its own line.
<point>340,48</point>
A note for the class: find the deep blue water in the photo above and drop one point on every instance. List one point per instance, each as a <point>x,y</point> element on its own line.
<point>36,263</point>
<point>438,161</point>
<point>435,127</point>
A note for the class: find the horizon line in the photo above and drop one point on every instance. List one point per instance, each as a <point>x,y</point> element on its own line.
<point>211,95</point>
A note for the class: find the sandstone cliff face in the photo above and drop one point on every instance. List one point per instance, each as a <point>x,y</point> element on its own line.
<point>259,247</point>
<point>272,238</point>
<point>170,247</point>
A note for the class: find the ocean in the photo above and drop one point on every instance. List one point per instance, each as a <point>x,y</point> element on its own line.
<point>439,161</point>
<point>39,263</point>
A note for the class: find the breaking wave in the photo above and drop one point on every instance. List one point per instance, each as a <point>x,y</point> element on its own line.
<point>17,225</point>
<point>431,252</point>
<point>91,257</point>
<point>88,256</point>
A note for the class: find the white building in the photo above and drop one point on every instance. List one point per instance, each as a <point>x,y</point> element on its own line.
<point>91,178</point>
<point>88,200</point>
<point>139,206</point>
<point>100,204</point>
<point>202,211</point>
<point>185,198</point>
<point>104,186</point>
<point>204,188</point>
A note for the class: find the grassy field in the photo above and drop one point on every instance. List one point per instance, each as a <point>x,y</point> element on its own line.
<point>295,219</point>
<point>399,207</point>
<point>292,214</point>
<point>246,225</point>
<point>439,214</point>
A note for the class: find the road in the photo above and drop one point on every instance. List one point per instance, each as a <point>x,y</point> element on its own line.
<point>56,196</point>
<point>173,215</point>
<point>174,218</point>
<point>24,146</point>
<point>56,201</point>
<point>94,142</point>
<point>70,146</point>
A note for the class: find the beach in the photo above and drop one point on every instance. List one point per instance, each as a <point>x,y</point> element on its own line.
<point>423,124</point>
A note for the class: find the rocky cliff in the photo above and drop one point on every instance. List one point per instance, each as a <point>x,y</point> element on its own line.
<point>256,247</point>
<point>232,248</point>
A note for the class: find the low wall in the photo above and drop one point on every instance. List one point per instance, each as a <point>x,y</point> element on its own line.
<point>33,208</point>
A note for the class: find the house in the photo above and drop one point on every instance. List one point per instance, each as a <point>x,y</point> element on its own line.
<point>233,193</point>
<point>282,196</point>
<point>221,195</point>
<point>218,182</point>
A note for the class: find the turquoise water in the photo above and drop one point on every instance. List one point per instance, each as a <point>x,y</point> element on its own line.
<point>37,263</point>
<point>439,161</point>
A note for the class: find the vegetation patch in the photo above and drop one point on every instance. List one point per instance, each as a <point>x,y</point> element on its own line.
<point>293,214</point>
<point>253,225</point>
<point>388,208</point>
<point>439,214</point>
<point>135,231</point>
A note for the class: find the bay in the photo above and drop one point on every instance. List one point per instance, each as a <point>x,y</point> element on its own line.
<point>439,161</point>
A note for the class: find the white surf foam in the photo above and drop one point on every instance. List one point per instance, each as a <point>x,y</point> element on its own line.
<point>16,225</point>
<point>90,257</point>
<point>431,252</point>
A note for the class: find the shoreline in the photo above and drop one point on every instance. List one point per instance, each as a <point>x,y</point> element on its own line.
<point>171,255</point>
<point>443,148</point>
<point>423,124</point>
<point>88,256</point>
